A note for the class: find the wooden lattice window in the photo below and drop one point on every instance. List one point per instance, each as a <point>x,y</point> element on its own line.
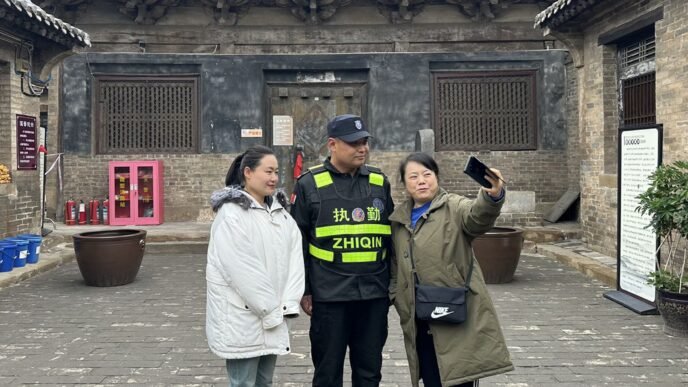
<point>638,51</point>
<point>639,100</point>
<point>485,111</point>
<point>147,114</point>
<point>637,79</point>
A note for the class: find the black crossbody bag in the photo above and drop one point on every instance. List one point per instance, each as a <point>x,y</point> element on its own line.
<point>442,304</point>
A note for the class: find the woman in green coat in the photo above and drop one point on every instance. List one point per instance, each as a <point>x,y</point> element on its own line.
<point>435,229</point>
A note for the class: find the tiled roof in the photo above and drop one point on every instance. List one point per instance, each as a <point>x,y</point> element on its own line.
<point>561,11</point>
<point>28,8</point>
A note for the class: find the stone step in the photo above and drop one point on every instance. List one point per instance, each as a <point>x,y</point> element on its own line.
<point>545,234</point>
<point>598,269</point>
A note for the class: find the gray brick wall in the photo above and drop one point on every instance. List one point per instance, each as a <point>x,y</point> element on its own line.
<point>6,124</point>
<point>598,115</point>
<point>543,172</point>
<point>190,179</point>
<point>525,171</point>
<point>52,196</point>
<point>573,156</point>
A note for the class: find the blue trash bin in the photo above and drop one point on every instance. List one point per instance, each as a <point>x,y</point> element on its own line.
<point>9,250</point>
<point>22,251</point>
<point>34,246</point>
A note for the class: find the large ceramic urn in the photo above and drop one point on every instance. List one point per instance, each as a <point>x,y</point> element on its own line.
<point>111,257</point>
<point>498,252</point>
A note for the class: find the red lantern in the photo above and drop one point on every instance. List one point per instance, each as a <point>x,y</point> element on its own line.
<point>69,212</point>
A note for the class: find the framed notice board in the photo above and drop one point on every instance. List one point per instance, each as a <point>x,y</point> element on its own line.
<point>27,150</point>
<point>640,153</point>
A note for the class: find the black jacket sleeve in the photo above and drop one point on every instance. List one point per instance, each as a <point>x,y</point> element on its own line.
<point>300,211</point>
<point>389,205</point>
<point>389,208</point>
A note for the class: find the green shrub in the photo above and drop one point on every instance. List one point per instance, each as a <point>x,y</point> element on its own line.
<point>666,201</point>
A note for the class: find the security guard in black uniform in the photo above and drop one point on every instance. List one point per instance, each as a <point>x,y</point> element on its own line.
<point>342,207</point>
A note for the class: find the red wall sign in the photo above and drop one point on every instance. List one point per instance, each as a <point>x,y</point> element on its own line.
<point>26,142</point>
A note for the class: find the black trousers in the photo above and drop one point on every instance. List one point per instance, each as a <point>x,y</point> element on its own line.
<point>359,325</point>
<point>429,370</point>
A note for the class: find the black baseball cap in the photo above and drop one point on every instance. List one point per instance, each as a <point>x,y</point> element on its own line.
<point>347,127</point>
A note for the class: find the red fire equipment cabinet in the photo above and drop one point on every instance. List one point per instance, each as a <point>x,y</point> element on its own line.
<point>136,195</point>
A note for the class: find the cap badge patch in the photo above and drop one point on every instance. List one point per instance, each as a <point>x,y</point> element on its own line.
<point>358,124</point>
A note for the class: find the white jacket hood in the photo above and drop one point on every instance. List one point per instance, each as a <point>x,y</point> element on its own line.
<point>236,194</point>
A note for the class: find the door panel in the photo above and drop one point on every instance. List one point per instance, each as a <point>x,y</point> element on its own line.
<point>310,107</point>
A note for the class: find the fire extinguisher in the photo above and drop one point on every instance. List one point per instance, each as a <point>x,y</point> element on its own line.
<point>298,168</point>
<point>94,209</point>
<point>104,212</point>
<point>70,206</point>
<point>75,212</point>
<point>89,215</point>
<point>82,212</point>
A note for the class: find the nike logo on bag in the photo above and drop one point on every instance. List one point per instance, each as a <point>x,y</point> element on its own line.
<point>440,311</point>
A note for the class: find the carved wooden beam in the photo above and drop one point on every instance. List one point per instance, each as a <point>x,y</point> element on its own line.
<point>488,10</point>
<point>146,11</point>
<point>312,11</point>
<point>477,9</point>
<point>227,11</point>
<point>400,11</point>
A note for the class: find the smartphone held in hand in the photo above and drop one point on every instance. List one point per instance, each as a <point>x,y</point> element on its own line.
<point>477,170</point>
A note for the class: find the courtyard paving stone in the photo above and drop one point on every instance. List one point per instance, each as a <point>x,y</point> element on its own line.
<point>54,330</point>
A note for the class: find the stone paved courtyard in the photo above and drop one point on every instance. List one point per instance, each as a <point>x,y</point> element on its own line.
<point>54,330</point>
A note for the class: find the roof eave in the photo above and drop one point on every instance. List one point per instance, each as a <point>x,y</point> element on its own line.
<point>32,11</point>
<point>560,12</point>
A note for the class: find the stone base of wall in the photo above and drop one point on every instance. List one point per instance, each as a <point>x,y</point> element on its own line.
<point>190,179</point>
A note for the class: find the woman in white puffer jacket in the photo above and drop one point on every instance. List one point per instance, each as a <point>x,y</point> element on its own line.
<point>255,271</point>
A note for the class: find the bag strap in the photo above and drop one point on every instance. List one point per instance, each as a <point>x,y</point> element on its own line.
<point>415,274</point>
<point>470,270</point>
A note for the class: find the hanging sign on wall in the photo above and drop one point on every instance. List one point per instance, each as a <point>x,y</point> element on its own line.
<point>282,130</point>
<point>26,142</point>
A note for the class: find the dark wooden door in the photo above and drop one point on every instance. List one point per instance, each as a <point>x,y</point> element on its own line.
<point>311,107</point>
